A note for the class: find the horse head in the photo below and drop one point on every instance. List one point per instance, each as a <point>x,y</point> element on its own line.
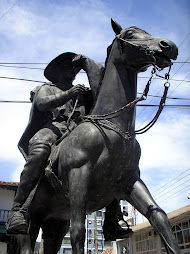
<point>139,49</point>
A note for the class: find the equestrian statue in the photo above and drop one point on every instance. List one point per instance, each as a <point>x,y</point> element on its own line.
<point>85,140</point>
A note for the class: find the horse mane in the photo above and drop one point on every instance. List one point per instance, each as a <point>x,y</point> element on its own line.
<point>102,77</point>
<point>108,54</point>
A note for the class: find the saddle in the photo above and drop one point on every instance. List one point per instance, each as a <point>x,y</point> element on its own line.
<point>51,168</point>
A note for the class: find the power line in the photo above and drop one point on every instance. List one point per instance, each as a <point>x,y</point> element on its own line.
<point>171,180</point>
<point>161,89</point>
<point>179,84</point>
<point>171,189</point>
<point>153,99</point>
<point>168,106</point>
<point>9,9</point>
<point>21,67</point>
<point>25,63</point>
<point>30,80</point>
<point>184,40</point>
<point>178,80</point>
<point>37,63</point>
<point>174,194</point>
<point>34,68</point>
<point>14,101</point>
<point>180,67</point>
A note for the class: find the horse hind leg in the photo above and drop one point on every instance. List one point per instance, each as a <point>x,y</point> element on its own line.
<point>141,199</point>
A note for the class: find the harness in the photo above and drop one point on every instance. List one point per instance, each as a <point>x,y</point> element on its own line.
<point>102,120</point>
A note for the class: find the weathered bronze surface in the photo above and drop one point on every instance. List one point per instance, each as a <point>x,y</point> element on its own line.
<point>99,160</point>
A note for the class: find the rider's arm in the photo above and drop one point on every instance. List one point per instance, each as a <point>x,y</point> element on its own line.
<point>47,99</point>
<point>93,69</point>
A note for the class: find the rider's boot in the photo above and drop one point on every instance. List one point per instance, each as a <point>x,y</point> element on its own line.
<point>111,229</point>
<point>18,220</point>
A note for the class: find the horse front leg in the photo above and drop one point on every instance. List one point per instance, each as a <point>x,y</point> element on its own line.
<point>78,189</point>
<point>139,196</point>
<point>53,233</point>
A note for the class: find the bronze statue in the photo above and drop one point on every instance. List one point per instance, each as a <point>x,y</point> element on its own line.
<point>53,117</point>
<point>98,161</point>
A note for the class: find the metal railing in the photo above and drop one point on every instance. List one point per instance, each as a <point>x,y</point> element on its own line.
<point>4,215</point>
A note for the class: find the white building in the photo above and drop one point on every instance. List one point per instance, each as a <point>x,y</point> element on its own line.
<point>7,192</point>
<point>146,241</point>
<point>94,234</point>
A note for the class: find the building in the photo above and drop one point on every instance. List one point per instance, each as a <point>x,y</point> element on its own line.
<point>95,242</point>
<point>7,192</point>
<point>94,235</point>
<point>146,241</point>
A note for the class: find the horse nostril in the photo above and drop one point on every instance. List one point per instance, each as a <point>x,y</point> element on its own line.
<point>164,44</point>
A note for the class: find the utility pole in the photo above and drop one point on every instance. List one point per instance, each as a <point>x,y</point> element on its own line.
<point>95,234</point>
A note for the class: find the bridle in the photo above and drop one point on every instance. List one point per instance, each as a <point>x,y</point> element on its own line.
<point>104,118</point>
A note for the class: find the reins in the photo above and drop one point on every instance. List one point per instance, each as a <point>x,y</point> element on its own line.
<point>161,105</point>
<point>117,112</point>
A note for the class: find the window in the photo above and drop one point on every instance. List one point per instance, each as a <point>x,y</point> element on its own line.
<point>146,243</point>
<point>67,240</point>
<point>99,232</point>
<point>182,234</point>
<point>99,213</point>
<point>99,243</point>
<point>99,222</point>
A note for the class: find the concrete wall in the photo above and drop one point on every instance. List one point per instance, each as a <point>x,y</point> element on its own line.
<point>6,198</point>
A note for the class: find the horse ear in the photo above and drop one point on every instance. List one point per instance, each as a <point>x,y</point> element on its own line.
<point>116,27</point>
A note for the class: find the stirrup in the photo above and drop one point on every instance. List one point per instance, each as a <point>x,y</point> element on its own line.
<point>18,223</point>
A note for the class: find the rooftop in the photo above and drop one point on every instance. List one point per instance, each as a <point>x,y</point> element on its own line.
<point>9,185</point>
<point>181,213</point>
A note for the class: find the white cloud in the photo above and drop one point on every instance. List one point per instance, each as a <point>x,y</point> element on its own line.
<point>37,31</point>
<point>166,145</point>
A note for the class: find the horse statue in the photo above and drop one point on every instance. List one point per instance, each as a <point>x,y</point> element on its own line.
<point>99,161</point>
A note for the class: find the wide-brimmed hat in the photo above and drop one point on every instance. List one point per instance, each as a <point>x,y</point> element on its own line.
<point>60,64</point>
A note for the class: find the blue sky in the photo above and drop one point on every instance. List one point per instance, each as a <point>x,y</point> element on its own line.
<point>37,31</point>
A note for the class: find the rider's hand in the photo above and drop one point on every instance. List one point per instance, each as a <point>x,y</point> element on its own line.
<point>76,90</point>
<point>78,61</point>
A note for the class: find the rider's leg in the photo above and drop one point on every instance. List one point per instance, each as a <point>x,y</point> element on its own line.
<point>111,229</point>
<point>39,151</point>
<point>138,195</point>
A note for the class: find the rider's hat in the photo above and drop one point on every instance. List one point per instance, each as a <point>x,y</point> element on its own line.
<point>60,64</point>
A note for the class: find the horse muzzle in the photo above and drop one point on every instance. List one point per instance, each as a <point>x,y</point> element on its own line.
<point>165,51</point>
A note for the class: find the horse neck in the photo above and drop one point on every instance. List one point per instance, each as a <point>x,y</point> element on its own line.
<point>118,89</point>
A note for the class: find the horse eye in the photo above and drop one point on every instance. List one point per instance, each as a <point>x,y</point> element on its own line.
<point>130,35</point>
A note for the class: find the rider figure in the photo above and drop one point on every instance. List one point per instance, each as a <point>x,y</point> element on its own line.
<point>51,117</point>
<point>51,109</point>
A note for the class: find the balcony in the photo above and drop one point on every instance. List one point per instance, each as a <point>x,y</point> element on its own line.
<point>3,218</point>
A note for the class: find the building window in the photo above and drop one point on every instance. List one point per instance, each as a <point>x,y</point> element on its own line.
<point>146,242</point>
<point>99,222</point>
<point>182,234</point>
<point>99,232</point>
<point>99,213</point>
<point>67,251</point>
<point>67,240</point>
<point>99,243</point>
